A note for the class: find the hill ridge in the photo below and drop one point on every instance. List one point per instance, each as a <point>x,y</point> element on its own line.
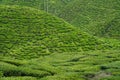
<point>38,33</point>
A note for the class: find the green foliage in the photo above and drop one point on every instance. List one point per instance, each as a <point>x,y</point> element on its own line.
<point>34,45</point>
<point>12,70</point>
<point>28,33</point>
<point>87,65</point>
<point>97,17</point>
<point>18,78</point>
<point>112,28</point>
<point>1,74</point>
<point>111,78</point>
<point>51,6</point>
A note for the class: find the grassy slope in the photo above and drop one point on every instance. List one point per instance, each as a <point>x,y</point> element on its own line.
<point>27,32</point>
<point>98,17</point>
<point>54,6</point>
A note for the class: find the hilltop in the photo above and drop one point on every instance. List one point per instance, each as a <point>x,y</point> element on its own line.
<point>27,32</point>
<point>96,17</point>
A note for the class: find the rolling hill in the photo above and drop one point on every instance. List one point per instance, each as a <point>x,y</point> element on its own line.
<point>28,32</point>
<point>35,45</point>
<point>97,17</point>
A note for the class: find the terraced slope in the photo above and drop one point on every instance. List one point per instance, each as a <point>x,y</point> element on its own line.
<point>97,17</point>
<point>90,65</point>
<point>27,32</point>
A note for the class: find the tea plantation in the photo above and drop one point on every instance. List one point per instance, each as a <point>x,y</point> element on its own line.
<point>28,32</point>
<point>36,45</point>
<point>88,65</point>
<point>96,17</point>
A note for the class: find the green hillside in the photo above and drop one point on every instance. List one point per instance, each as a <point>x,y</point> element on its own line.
<point>51,6</point>
<point>27,32</point>
<point>35,45</point>
<point>97,17</point>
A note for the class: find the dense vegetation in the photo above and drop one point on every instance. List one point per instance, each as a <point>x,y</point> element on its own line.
<point>97,17</point>
<point>36,45</point>
<point>51,6</point>
<point>26,31</point>
<point>90,65</point>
